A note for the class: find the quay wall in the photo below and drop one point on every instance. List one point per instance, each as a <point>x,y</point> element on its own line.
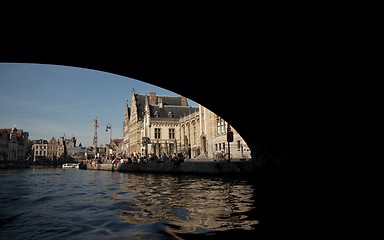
<point>14,164</point>
<point>188,167</point>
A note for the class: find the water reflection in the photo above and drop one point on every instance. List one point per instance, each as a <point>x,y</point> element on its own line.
<point>186,203</point>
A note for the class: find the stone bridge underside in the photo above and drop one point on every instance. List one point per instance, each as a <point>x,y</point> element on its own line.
<point>253,89</point>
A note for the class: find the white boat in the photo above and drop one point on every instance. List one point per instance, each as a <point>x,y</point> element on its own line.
<point>70,165</point>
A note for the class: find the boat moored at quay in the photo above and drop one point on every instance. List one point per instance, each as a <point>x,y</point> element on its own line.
<point>70,165</point>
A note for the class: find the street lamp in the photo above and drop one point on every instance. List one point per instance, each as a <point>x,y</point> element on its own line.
<point>109,127</point>
<point>229,139</point>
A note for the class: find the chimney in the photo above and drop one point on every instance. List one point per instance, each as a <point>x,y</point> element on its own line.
<point>160,102</point>
<point>184,102</point>
<point>152,98</point>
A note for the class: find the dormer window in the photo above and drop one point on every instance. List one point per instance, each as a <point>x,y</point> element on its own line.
<point>157,114</point>
<point>170,115</point>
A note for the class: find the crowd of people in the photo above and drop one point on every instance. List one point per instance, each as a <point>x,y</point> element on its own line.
<point>144,158</point>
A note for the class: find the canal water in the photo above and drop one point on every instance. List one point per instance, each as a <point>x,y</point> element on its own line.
<point>55,203</point>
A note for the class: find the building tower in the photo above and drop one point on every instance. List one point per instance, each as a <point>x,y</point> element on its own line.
<point>95,135</point>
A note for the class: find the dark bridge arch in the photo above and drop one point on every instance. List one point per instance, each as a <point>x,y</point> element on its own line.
<point>252,90</point>
<point>253,96</point>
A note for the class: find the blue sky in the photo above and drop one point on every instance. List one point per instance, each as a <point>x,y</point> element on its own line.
<point>54,101</point>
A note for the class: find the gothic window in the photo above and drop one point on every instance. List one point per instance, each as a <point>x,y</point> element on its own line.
<point>171,133</point>
<point>218,124</point>
<point>157,133</point>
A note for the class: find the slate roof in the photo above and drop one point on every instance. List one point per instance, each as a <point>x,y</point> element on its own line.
<point>177,111</point>
<point>117,141</point>
<point>8,131</point>
<point>170,104</point>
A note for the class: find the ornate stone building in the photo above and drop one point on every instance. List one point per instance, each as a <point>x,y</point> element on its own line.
<point>190,135</point>
<point>13,144</point>
<point>152,124</point>
<point>64,144</point>
<point>159,124</point>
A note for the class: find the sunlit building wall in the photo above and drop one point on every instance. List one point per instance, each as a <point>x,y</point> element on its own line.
<point>160,124</point>
<point>214,133</point>
<point>40,149</point>
<point>152,124</point>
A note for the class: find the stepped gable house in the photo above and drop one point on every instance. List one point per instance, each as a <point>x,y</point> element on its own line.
<point>13,144</point>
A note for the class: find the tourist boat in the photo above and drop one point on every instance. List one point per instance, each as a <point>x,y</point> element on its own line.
<point>70,165</point>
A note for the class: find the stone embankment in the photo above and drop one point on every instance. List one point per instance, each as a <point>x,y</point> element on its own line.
<point>232,167</point>
<point>14,164</point>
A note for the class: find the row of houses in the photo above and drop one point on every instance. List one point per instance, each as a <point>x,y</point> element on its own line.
<point>16,146</point>
<point>53,149</point>
<point>152,125</point>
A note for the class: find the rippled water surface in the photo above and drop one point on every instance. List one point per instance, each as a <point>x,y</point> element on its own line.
<point>55,203</point>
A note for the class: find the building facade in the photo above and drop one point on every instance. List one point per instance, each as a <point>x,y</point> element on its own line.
<point>40,149</point>
<point>114,148</point>
<point>53,149</point>
<point>13,144</point>
<point>214,130</point>
<point>53,146</point>
<point>152,124</point>
<point>161,124</point>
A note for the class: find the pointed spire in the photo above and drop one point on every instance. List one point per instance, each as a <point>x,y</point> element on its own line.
<point>95,122</point>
